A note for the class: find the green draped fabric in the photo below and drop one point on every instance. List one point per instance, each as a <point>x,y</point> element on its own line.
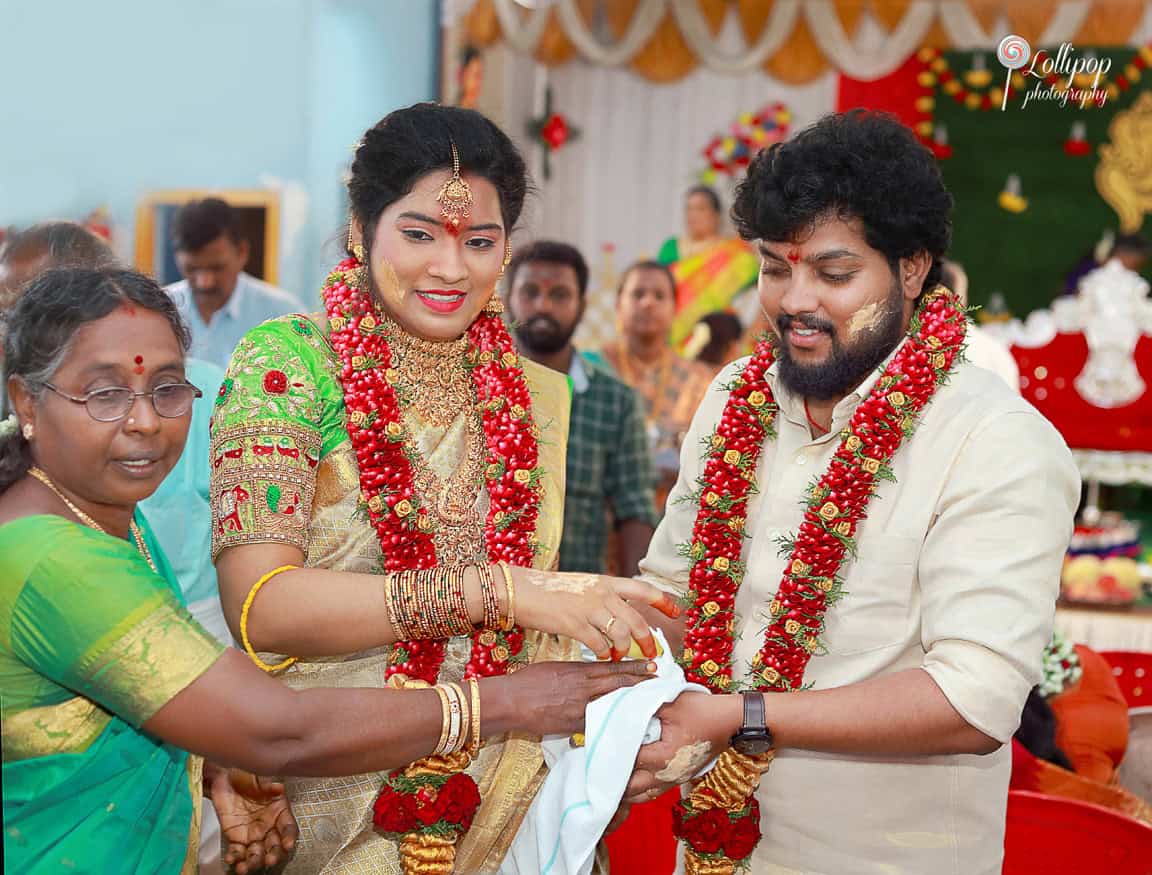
<point>92,644</point>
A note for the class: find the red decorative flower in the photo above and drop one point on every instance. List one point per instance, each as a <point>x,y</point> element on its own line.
<point>744,835</point>
<point>460,798</point>
<point>429,809</point>
<point>394,813</point>
<point>275,382</point>
<point>708,830</point>
<point>555,131</point>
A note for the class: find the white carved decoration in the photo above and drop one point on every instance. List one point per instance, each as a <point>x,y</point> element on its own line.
<point>1114,304</point>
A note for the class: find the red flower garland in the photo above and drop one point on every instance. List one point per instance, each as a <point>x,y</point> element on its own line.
<point>837,505</point>
<point>396,510</point>
<point>715,830</point>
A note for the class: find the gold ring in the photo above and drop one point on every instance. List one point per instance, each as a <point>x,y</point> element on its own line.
<point>607,630</point>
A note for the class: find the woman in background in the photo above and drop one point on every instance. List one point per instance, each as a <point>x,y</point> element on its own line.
<point>710,269</point>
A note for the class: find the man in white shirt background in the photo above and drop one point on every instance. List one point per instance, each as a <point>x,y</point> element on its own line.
<point>219,301</point>
<point>891,755</point>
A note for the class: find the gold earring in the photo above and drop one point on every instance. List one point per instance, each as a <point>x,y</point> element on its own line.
<point>358,252</point>
<point>507,260</point>
<point>495,305</point>
<point>27,431</point>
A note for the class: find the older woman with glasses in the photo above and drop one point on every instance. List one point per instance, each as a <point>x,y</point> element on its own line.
<point>105,679</point>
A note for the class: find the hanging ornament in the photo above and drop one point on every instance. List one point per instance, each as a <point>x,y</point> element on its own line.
<point>1010,198</point>
<point>939,145</point>
<point>1077,144</point>
<point>552,131</point>
<point>979,76</point>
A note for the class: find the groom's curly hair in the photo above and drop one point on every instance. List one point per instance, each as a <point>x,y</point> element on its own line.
<point>853,165</point>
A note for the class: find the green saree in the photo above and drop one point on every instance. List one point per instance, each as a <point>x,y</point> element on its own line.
<point>92,644</point>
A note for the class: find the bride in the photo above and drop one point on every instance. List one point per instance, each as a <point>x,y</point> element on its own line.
<point>387,493</point>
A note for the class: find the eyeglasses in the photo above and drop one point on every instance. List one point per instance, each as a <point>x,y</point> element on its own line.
<point>169,400</point>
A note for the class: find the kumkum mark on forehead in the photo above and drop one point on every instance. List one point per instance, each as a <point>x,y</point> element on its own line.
<point>793,255</point>
<point>139,369</point>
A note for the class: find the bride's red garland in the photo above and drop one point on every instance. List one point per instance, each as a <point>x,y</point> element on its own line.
<point>836,506</point>
<point>404,528</point>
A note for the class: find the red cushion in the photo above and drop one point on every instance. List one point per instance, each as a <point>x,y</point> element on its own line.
<point>1049,835</point>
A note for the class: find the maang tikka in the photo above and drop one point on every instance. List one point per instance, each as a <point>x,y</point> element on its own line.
<point>455,196</point>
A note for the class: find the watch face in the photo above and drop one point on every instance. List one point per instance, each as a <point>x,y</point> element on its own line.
<point>752,745</point>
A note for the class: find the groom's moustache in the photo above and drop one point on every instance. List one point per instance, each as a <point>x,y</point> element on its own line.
<point>806,322</point>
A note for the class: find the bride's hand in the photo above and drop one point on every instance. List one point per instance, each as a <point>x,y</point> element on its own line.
<point>591,608</point>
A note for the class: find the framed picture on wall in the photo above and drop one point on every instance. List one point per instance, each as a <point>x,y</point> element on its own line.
<point>258,212</point>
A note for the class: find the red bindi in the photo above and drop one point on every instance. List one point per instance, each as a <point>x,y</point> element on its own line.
<point>452,228</point>
<point>793,255</point>
<point>139,369</point>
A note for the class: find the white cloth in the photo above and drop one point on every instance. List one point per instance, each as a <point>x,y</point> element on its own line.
<point>585,784</point>
<point>957,574</point>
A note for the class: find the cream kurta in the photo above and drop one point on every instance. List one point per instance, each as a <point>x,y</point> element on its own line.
<point>958,572</point>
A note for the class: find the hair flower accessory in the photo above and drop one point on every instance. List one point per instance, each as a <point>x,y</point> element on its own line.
<point>9,426</point>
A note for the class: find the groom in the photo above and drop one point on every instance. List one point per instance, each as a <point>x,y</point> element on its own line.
<point>893,756</point>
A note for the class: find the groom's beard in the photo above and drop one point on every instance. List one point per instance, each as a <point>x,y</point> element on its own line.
<point>848,364</point>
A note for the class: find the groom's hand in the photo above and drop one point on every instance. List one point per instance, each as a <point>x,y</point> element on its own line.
<point>694,729</point>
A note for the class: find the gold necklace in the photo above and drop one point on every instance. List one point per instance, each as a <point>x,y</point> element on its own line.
<point>434,381</point>
<point>137,535</point>
<point>433,377</point>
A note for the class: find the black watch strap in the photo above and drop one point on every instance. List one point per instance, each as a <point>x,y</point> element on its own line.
<point>755,719</point>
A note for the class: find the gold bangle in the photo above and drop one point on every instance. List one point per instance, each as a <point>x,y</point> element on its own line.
<point>510,616</point>
<point>244,620</point>
<point>456,729</point>
<point>474,687</point>
<point>447,719</point>
<point>488,598</point>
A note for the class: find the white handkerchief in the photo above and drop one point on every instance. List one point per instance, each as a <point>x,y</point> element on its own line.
<point>585,784</point>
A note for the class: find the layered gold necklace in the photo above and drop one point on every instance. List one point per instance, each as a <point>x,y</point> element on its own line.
<point>137,535</point>
<point>434,382</point>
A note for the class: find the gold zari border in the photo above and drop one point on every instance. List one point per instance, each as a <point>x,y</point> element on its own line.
<point>67,727</point>
<point>152,662</point>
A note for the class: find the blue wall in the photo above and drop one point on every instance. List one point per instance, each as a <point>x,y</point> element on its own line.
<point>103,102</point>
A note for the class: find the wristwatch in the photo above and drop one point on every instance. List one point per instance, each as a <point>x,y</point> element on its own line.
<point>754,737</point>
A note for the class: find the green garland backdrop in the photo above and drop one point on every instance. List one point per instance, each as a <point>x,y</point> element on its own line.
<point>1025,255</point>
